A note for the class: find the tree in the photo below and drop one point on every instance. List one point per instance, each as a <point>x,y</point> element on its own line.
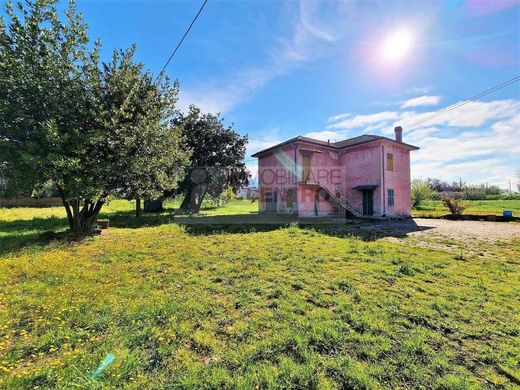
<point>217,158</point>
<point>64,120</point>
<point>421,191</point>
<point>144,146</point>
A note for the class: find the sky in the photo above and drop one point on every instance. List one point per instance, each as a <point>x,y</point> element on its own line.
<point>334,70</point>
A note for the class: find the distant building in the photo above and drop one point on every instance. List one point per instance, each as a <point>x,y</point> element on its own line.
<point>367,175</point>
<point>248,193</point>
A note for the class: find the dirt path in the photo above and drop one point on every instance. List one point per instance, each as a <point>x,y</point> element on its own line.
<point>458,230</point>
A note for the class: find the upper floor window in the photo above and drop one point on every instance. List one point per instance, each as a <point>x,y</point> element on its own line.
<point>390,198</point>
<point>389,161</point>
<point>306,167</point>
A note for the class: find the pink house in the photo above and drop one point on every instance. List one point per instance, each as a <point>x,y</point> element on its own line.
<point>367,175</point>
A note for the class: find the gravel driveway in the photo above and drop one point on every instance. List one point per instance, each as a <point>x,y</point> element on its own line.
<point>459,230</point>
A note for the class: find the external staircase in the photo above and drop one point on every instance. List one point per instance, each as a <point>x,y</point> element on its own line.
<point>342,202</point>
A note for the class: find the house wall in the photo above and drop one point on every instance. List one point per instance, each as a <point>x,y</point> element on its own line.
<point>325,171</point>
<point>399,181</point>
<point>363,165</point>
<point>277,173</point>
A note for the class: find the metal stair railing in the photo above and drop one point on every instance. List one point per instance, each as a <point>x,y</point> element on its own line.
<point>342,201</point>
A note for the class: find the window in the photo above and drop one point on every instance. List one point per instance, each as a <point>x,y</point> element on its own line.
<point>306,167</point>
<point>390,198</point>
<point>389,161</point>
<point>290,197</point>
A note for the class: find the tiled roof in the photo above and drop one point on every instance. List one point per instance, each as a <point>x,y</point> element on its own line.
<point>362,139</point>
<point>356,140</point>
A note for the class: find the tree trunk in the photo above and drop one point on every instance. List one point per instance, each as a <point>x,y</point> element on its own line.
<point>81,222</point>
<point>186,202</point>
<point>66,204</point>
<point>138,207</point>
<point>193,199</point>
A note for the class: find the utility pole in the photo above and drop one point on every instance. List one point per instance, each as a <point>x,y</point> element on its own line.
<point>510,187</point>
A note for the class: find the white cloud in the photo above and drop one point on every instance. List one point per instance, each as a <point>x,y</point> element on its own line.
<point>421,101</point>
<point>326,135</point>
<point>311,24</point>
<point>365,120</point>
<point>478,142</point>
<point>307,38</point>
<point>472,114</point>
<point>336,118</point>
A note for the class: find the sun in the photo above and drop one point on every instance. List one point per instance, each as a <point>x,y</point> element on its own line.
<point>397,45</point>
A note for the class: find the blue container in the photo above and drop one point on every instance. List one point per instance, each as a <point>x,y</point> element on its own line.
<point>508,213</point>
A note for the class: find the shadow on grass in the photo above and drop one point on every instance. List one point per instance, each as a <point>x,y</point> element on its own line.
<point>127,219</point>
<point>367,230</point>
<point>18,234</point>
<point>15,235</point>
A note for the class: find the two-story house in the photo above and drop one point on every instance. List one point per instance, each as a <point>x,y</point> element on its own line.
<point>367,175</point>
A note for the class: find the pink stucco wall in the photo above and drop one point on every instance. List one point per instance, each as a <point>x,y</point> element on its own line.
<point>399,181</point>
<point>282,170</point>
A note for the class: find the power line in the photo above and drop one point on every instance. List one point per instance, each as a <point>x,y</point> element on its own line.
<point>438,113</point>
<point>460,104</point>
<point>182,39</point>
<point>263,140</point>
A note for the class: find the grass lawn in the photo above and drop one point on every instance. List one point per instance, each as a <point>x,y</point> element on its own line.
<point>435,208</point>
<point>286,307</point>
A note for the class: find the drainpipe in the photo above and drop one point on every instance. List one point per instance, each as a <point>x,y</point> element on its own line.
<point>383,189</point>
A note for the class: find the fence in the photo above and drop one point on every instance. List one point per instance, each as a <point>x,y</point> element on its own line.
<point>30,202</point>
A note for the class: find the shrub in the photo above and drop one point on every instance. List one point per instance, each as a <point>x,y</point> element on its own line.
<point>504,197</point>
<point>455,205</point>
<point>224,198</point>
<point>481,191</point>
<point>421,191</point>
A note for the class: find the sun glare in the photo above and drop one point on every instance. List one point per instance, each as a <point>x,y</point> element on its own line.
<point>397,45</point>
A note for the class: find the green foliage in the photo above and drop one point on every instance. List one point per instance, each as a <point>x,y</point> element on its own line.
<point>216,162</point>
<point>480,192</point>
<point>91,132</point>
<point>143,152</point>
<point>228,195</point>
<point>421,191</point>
<point>303,309</point>
<point>435,208</point>
<point>455,205</point>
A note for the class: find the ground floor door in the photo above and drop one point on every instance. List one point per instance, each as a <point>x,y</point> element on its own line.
<point>368,202</point>
<point>271,200</point>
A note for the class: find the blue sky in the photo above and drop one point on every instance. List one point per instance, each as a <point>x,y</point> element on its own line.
<point>277,69</point>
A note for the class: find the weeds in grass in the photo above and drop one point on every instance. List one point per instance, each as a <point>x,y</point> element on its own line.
<point>276,308</point>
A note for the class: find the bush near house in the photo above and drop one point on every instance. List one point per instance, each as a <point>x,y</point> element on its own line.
<point>421,192</point>
<point>454,204</point>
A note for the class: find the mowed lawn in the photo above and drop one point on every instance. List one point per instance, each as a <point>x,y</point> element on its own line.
<point>267,307</point>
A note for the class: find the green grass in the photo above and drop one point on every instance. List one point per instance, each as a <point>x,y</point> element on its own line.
<point>287,307</point>
<point>435,208</point>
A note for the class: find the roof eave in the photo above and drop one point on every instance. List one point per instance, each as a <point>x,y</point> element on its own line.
<point>310,140</point>
<point>290,141</point>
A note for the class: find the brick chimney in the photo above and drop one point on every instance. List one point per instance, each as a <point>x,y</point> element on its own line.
<point>398,134</point>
